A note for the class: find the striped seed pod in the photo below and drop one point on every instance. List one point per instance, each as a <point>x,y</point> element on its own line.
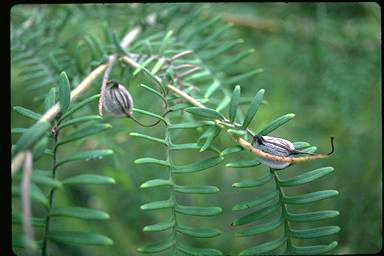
<point>117,99</point>
<point>273,146</point>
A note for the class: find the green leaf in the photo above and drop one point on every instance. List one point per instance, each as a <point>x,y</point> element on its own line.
<point>312,249</point>
<point>311,216</point>
<point>86,155</point>
<point>301,144</point>
<point>50,99</point>
<point>156,183</point>
<point>305,177</point>
<point>253,108</point>
<point>198,232</point>
<point>157,66</point>
<point>78,238</point>
<point>212,37</point>
<point>253,183</point>
<point>235,59</point>
<point>212,88</point>
<point>197,251</point>
<point>32,135</point>
<point>79,212</point>
<point>64,92</point>
<point>241,77</point>
<point>189,125</point>
<point>235,99</point>
<point>88,179</point>
<point>147,137</point>
<point>310,197</point>
<point>135,110</point>
<point>158,205</point>
<point>35,222</point>
<point>160,226</point>
<point>45,180</point>
<point>18,130</point>
<point>84,132</point>
<point>243,164</point>
<point>39,148</point>
<point>313,232</point>
<point>142,66</point>
<point>276,124</point>
<point>79,120</point>
<point>79,106</point>
<point>205,113</point>
<point>224,46</point>
<point>264,247</point>
<point>152,90</point>
<point>240,133</point>
<point>158,247</point>
<point>196,189</point>
<point>269,208</point>
<point>232,149</point>
<point>197,211</point>
<point>261,228</point>
<point>34,192</point>
<point>198,166</point>
<point>210,134</point>
<point>263,198</point>
<point>150,160</point>
<point>27,113</point>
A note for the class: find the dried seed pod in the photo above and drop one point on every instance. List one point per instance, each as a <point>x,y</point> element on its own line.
<point>117,99</point>
<point>273,146</point>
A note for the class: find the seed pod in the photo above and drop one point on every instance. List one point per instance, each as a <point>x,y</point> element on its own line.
<point>117,99</point>
<point>273,146</point>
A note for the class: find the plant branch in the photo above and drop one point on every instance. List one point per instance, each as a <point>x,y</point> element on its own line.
<point>25,199</point>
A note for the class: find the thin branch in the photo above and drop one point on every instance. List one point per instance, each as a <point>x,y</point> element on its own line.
<point>17,161</point>
<point>25,199</point>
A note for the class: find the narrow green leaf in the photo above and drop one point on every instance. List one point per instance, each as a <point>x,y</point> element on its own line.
<point>200,28</point>
<point>27,113</point>
<point>269,208</point>
<point>32,135</point>
<point>135,110</point>
<point>212,88</point>
<point>34,192</point>
<point>198,232</point>
<point>190,125</point>
<point>232,149</point>
<point>224,102</point>
<point>198,166</point>
<point>310,197</point>
<point>205,113</point>
<point>263,198</point>
<point>196,189</point>
<point>199,76</point>
<point>79,212</point>
<point>147,137</point>
<point>276,124</point>
<point>84,132</point>
<point>39,148</point>
<point>18,130</point>
<point>235,59</point>
<point>35,222</point>
<point>150,160</point>
<point>312,249</point>
<point>152,90</point>
<point>311,216</point>
<point>156,183</point>
<point>142,66</point>
<point>45,180</point>
<point>235,99</point>
<point>264,247</point>
<point>261,228</point>
<point>237,79</point>
<point>306,177</point>
<point>210,134</point>
<point>224,46</point>
<point>88,179</point>
<point>78,238</point>
<point>197,251</point>
<point>253,108</point>
<point>79,106</point>
<point>157,66</point>
<point>158,247</point>
<point>50,99</point>
<point>253,183</point>
<point>160,226</point>
<point>158,205</point>
<point>313,232</point>
<point>64,92</point>
<point>240,133</point>
<point>197,211</point>
<point>300,145</point>
<point>243,164</point>
<point>212,37</point>
<point>86,155</point>
<point>79,120</point>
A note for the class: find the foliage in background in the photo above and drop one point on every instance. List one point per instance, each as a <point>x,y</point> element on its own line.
<point>277,42</point>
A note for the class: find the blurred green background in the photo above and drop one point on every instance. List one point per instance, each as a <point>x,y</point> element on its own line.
<point>321,61</point>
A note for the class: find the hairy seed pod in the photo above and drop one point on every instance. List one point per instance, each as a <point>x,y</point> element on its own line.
<point>117,99</point>
<point>274,146</point>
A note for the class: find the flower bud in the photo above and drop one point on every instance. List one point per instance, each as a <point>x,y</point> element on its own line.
<point>273,146</point>
<point>117,99</point>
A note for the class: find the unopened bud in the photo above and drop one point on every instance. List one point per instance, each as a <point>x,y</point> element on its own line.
<point>117,99</point>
